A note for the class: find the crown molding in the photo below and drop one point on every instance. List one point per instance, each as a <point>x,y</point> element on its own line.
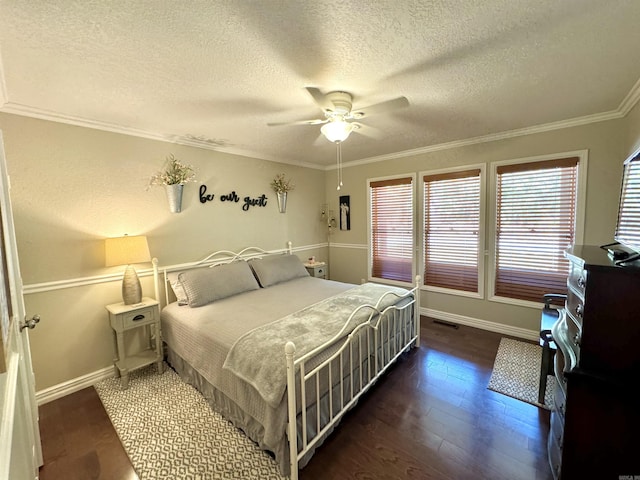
<point>574,122</point>
<point>4,98</point>
<point>27,111</point>
<point>630,100</point>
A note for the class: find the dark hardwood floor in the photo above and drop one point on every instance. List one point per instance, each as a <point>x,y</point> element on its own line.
<point>431,417</point>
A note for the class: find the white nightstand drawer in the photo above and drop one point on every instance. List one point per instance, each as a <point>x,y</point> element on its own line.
<point>318,271</point>
<point>138,317</point>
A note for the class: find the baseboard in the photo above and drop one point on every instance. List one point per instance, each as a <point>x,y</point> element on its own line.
<point>482,324</point>
<point>66,388</point>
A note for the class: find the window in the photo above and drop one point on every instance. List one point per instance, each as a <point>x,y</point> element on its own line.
<point>535,223</point>
<point>628,224</point>
<point>391,229</point>
<point>451,229</point>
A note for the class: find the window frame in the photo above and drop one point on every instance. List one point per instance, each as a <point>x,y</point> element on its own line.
<point>492,233</point>
<point>370,276</point>
<point>481,232</point>
<point>628,204</point>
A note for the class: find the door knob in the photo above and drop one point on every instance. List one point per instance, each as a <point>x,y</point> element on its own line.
<point>31,323</point>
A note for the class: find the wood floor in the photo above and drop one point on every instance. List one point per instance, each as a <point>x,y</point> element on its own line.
<point>431,417</point>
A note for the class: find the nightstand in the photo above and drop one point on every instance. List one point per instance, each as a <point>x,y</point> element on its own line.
<point>318,269</point>
<point>123,318</point>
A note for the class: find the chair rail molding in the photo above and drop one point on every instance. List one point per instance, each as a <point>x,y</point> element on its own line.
<point>117,277</point>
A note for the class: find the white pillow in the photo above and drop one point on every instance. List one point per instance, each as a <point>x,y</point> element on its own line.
<point>277,269</point>
<point>177,288</point>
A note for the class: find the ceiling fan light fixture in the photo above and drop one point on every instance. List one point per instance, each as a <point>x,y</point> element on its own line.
<point>337,130</point>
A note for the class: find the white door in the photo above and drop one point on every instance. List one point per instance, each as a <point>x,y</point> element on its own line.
<point>20,449</point>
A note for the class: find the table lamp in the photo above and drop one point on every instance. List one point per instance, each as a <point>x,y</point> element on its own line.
<point>126,251</point>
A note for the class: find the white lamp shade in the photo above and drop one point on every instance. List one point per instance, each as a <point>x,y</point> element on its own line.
<point>126,250</point>
<point>337,130</point>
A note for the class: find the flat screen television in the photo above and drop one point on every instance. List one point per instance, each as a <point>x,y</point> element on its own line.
<point>628,224</point>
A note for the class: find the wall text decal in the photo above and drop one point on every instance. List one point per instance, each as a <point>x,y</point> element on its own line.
<point>233,197</point>
<point>204,198</point>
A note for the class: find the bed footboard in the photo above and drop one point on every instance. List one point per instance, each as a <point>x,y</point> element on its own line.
<point>365,355</point>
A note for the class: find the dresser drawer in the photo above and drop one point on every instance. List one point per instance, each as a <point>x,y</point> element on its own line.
<point>555,456</point>
<point>128,320</point>
<point>557,428</point>
<point>575,309</point>
<point>577,279</point>
<point>559,401</point>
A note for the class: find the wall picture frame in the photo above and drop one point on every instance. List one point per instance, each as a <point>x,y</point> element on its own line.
<point>345,212</point>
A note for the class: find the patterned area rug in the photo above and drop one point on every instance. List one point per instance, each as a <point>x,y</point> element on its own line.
<point>516,372</point>
<point>169,431</point>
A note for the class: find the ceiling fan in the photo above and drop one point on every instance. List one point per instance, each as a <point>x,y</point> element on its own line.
<point>340,118</point>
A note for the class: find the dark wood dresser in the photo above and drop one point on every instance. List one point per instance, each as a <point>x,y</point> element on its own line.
<point>595,422</point>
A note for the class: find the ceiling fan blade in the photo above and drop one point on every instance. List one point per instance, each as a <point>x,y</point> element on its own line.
<point>316,121</point>
<point>389,105</point>
<point>367,131</point>
<point>320,98</point>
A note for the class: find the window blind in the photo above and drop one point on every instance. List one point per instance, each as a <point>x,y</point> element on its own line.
<point>628,225</point>
<point>452,223</point>
<point>392,229</point>
<point>536,211</point>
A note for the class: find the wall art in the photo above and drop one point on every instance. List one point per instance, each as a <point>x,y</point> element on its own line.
<point>345,212</point>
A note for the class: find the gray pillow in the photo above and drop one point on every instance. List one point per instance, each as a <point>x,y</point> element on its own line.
<point>206,285</point>
<point>277,269</point>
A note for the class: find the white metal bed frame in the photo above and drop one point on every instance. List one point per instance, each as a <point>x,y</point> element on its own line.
<point>378,358</point>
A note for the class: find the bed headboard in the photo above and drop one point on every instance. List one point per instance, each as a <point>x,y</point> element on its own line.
<point>219,257</point>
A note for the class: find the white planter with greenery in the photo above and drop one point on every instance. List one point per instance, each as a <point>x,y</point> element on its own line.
<point>282,201</point>
<point>174,197</point>
<point>281,186</point>
<point>173,176</point>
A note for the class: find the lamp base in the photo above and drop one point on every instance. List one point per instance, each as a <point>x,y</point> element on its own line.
<point>131,289</point>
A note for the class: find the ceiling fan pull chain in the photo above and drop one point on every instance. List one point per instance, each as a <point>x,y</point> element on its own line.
<point>339,162</point>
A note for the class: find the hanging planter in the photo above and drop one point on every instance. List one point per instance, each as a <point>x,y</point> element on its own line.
<point>173,176</point>
<point>281,186</point>
<point>174,196</point>
<point>282,201</point>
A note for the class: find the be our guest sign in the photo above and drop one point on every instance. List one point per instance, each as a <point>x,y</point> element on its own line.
<point>233,197</point>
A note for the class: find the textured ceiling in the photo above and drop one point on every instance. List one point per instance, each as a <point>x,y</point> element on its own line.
<point>214,73</point>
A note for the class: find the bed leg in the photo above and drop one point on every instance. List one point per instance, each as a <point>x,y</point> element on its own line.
<point>290,351</point>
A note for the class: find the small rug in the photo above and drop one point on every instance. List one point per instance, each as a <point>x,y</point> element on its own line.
<point>516,372</point>
<point>169,431</point>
